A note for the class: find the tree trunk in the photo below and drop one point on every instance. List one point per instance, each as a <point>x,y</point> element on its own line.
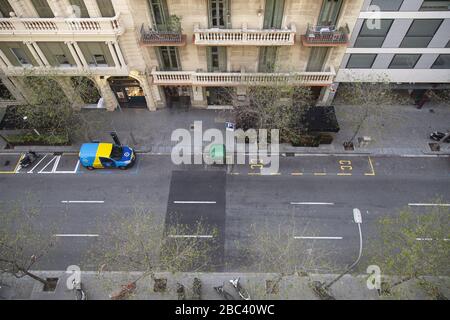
<point>35,277</point>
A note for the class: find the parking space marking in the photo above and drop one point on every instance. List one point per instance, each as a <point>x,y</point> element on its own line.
<point>297,173</point>
<point>16,167</point>
<point>55,161</point>
<point>318,238</point>
<point>320,173</point>
<point>45,156</point>
<point>371,168</point>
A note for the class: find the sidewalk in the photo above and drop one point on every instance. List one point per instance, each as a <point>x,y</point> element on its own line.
<point>293,287</point>
<point>405,132</point>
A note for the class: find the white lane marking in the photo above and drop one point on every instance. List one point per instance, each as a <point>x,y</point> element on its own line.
<point>82,201</point>
<point>429,204</point>
<point>314,203</point>
<point>31,171</point>
<point>42,170</point>
<point>320,238</point>
<point>55,165</point>
<point>75,235</point>
<point>430,239</point>
<point>208,202</point>
<point>189,236</point>
<point>73,171</point>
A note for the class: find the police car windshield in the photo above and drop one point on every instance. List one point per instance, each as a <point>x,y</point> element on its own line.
<point>116,153</point>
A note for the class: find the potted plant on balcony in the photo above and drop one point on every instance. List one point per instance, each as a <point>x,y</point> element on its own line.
<point>173,24</point>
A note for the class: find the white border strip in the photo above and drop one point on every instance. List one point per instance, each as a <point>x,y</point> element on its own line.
<point>429,204</point>
<point>430,239</point>
<point>82,201</point>
<point>196,202</point>
<point>313,203</point>
<point>319,238</point>
<point>189,236</point>
<point>75,235</point>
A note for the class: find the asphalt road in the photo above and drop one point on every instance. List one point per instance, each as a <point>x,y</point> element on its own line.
<point>315,194</point>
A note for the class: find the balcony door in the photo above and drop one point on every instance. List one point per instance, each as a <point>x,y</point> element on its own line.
<point>168,58</point>
<point>106,8</point>
<point>79,8</point>
<point>317,59</point>
<point>217,59</point>
<point>267,59</point>
<point>273,14</point>
<point>42,8</point>
<point>219,14</point>
<point>5,9</point>
<point>329,13</point>
<point>159,13</point>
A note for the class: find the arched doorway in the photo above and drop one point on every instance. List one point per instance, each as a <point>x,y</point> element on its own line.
<point>128,92</point>
<point>86,89</point>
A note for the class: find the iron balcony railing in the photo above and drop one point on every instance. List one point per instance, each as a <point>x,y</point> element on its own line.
<point>152,37</point>
<point>325,35</point>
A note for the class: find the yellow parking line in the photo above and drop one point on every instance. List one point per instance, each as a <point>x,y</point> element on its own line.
<point>297,173</point>
<point>344,174</point>
<point>16,167</point>
<point>320,173</point>
<point>371,167</point>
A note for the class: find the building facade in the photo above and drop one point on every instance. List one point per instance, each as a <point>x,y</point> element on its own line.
<point>157,53</point>
<point>410,47</point>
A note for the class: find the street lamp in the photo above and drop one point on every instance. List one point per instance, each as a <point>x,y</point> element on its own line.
<point>358,220</point>
<point>25,118</point>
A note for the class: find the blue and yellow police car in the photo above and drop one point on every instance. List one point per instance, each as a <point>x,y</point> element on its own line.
<point>106,155</point>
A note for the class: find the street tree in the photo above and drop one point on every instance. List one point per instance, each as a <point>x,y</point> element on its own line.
<point>140,241</point>
<point>52,110</point>
<point>373,102</point>
<point>413,245</point>
<point>23,240</point>
<point>279,105</point>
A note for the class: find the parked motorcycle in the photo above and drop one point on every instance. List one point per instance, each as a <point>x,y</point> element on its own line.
<point>28,159</point>
<point>222,292</point>
<point>79,292</point>
<point>438,136</point>
<point>243,293</point>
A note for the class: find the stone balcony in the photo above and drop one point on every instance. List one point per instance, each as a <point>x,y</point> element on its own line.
<point>19,29</point>
<point>325,36</point>
<point>211,79</point>
<point>149,37</point>
<point>244,36</point>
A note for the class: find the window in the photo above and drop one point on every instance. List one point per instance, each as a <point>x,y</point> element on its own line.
<point>42,8</point>
<point>160,14</point>
<point>442,62</point>
<point>420,33</point>
<point>371,37</point>
<point>168,57</point>
<point>219,13</point>
<point>404,61</point>
<point>21,56</point>
<point>5,9</point>
<point>79,8</point>
<point>116,152</point>
<point>435,5</point>
<point>361,61</point>
<point>96,54</point>
<point>387,5</point>
<point>273,14</point>
<point>106,8</point>
<point>267,59</point>
<point>329,13</point>
<point>217,59</point>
